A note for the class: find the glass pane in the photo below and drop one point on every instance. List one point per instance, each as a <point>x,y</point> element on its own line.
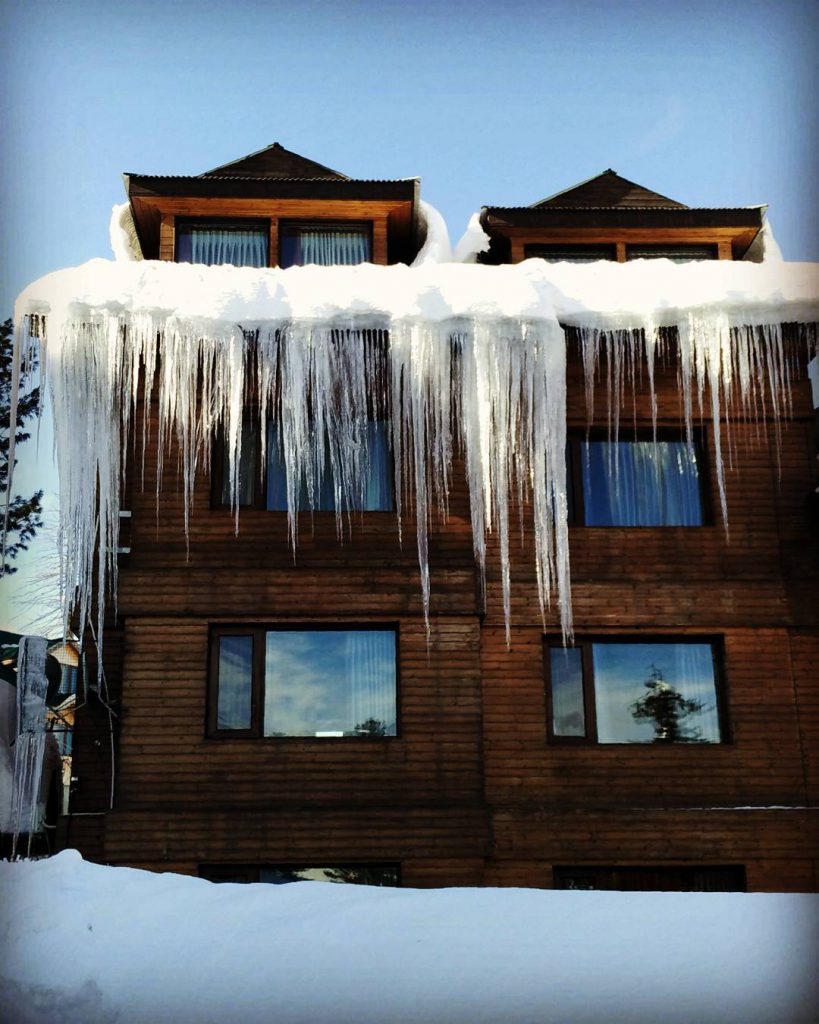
<point>675,253</point>
<point>568,712</point>
<point>212,243</point>
<point>354,874</point>
<point>571,253</point>
<point>248,462</point>
<point>655,693</point>
<point>235,682</point>
<point>640,483</point>
<point>324,245</point>
<point>366,474</point>
<point>330,683</point>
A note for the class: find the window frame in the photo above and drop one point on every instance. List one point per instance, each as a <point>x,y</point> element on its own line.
<point>574,458</point>
<point>259,503</point>
<point>207,869</point>
<point>286,224</point>
<point>585,642</point>
<point>670,250</point>
<point>562,872</point>
<point>257,685</point>
<point>261,223</point>
<point>570,249</point>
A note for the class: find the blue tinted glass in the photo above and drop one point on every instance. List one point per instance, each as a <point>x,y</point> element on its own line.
<point>366,478</point>
<point>566,674</point>
<point>330,683</point>
<point>640,483</point>
<point>655,693</point>
<point>235,682</point>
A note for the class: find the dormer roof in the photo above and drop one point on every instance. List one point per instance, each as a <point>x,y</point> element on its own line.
<point>608,190</point>
<point>273,161</point>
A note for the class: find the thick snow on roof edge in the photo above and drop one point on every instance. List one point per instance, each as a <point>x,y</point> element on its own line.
<point>146,947</point>
<point>605,294</point>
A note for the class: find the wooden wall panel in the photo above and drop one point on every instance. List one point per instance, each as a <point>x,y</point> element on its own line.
<point>472,791</point>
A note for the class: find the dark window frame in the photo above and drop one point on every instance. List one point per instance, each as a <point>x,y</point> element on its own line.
<point>561,874</point>
<point>557,249</point>
<point>286,224</point>
<point>262,223</point>
<point>207,869</point>
<point>668,250</point>
<point>259,503</point>
<point>584,643</point>
<point>574,457</point>
<point>258,632</point>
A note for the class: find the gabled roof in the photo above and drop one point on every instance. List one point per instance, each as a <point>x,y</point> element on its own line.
<point>273,162</point>
<point>608,190</point>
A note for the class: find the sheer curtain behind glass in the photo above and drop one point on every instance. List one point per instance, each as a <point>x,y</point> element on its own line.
<point>621,671</point>
<point>214,244</point>
<point>327,247</point>
<point>640,483</point>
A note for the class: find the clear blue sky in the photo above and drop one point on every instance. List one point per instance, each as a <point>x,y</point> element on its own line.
<point>712,102</point>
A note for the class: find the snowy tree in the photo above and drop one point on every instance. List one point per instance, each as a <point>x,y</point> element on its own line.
<point>25,513</point>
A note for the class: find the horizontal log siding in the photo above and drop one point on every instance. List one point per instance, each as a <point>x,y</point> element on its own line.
<point>472,791</point>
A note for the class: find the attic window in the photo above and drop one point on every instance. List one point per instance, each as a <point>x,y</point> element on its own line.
<point>675,253</point>
<point>325,243</point>
<point>570,253</point>
<point>242,243</point>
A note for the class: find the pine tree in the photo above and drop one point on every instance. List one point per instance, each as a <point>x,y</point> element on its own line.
<point>665,707</point>
<point>25,514</point>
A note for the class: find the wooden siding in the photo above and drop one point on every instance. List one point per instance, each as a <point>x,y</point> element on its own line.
<point>472,792</point>
<point>722,238</point>
<point>391,220</point>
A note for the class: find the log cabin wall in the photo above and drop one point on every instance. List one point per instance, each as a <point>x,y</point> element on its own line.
<point>749,801</point>
<point>472,791</point>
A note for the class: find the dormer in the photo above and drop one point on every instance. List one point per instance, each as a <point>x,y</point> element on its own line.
<point>611,218</point>
<point>274,208</point>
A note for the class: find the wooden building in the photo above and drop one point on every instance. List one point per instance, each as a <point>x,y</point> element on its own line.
<point>461,759</point>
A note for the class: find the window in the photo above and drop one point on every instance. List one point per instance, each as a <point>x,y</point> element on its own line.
<point>355,477</point>
<point>636,482</point>
<point>675,253</point>
<point>241,243</point>
<point>664,878</point>
<point>278,874</point>
<point>570,253</point>
<point>326,243</point>
<point>323,682</point>
<point>634,691</point>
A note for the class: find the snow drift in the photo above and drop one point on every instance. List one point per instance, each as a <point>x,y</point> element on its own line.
<point>464,358</point>
<point>86,944</point>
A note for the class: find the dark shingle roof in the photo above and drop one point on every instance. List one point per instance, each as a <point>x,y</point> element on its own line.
<point>273,162</point>
<point>609,190</point>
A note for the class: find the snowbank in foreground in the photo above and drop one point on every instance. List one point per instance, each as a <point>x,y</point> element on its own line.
<point>90,944</point>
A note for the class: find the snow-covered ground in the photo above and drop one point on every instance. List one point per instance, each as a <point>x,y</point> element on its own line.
<point>85,944</point>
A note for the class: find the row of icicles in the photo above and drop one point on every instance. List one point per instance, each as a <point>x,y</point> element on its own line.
<point>493,392</point>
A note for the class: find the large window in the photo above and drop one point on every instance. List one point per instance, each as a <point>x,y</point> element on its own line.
<point>653,878</point>
<point>675,253</point>
<point>314,681</point>
<point>570,253</point>
<point>240,243</point>
<point>349,478</point>
<point>279,874</point>
<point>325,243</point>
<point>634,691</point>
<point>636,482</point>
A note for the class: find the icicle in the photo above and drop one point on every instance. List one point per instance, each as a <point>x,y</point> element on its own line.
<point>467,358</point>
<point>29,748</point>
